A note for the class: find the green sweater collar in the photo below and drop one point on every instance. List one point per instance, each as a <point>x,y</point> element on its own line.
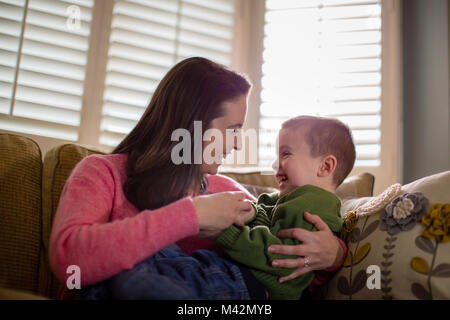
<point>300,191</point>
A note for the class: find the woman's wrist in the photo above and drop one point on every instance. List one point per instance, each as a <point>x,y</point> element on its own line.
<point>340,256</point>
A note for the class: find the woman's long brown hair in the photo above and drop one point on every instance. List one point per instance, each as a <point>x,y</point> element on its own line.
<point>193,90</point>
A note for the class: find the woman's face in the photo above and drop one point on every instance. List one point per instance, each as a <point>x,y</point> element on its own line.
<point>231,122</point>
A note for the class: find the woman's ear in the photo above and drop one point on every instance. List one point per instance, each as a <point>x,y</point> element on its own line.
<point>327,166</point>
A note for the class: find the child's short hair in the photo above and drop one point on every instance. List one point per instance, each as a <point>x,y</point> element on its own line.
<point>328,136</point>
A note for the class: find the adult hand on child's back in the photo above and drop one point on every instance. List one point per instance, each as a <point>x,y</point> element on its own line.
<point>218,211</point>
<point>320,247</point>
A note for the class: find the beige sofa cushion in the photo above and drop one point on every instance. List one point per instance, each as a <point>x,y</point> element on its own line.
<point>20,212</point>
<point>58,164</point>
<point>411,266</point>
<point>360,185</point>
<point>254,178</point>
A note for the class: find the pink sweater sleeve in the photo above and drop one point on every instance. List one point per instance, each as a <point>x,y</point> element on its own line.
<point>84,235</point>
<point>221,183</point>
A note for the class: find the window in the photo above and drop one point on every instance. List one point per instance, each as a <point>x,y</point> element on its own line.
<point>323,58</point>
<point>42,63</point>
<point>330,58</point>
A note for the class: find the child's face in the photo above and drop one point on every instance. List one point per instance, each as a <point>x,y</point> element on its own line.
<point>295,166</point>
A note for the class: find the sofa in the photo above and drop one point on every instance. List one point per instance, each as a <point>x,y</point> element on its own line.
<point>30,186</point>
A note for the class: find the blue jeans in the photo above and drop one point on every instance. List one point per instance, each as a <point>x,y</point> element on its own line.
<point>172,274</point>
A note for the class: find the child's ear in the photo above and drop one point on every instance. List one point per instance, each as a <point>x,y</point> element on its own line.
<point>327,166</point>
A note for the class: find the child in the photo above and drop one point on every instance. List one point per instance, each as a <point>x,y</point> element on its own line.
<point>315,155</point>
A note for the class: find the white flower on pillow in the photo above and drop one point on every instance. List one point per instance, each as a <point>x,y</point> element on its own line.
<point>403,209</point>
<point>403,213</point>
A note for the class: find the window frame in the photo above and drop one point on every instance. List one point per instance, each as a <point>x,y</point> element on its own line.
<point>390,168</point>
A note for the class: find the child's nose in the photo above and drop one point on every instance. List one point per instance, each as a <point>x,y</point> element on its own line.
<point>275,165</point>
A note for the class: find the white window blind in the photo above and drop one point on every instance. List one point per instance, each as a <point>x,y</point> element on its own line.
<point>322,57</point>
<point>149,37</point>
<point>42,62</point>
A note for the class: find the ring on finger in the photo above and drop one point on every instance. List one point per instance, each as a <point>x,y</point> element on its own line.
<point>306,262</point>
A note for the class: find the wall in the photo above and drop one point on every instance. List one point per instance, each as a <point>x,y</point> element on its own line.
<point>426,106</point>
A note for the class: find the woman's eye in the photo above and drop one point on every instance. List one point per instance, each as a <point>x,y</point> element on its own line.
<point>285,154</point>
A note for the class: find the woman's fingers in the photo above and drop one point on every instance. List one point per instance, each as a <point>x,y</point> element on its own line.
<point>220,210</point>
<point>295,274</point>
<point>295,233</point>
<point>244,212</point>
<point>288,263</point>
<point>320,247</point>
<point>245,205</point>
<point>291,263</point>
<point>289,250</point>
<point>298,263</point>
<point>316,221</point>
<point>238,195</point>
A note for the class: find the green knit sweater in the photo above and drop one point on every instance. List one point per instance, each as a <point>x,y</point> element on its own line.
<point>248,245</point>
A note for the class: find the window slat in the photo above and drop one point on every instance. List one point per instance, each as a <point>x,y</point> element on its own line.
<point>49,21</point>
<point>129,54</point>
<point>46,113</point>
<point>122,111</point>
<point>49,82</point>
<point>59,8</point>
<point>48,97</point>
<point>126,96</point>
<point>40,128</point>
<point>136,68</point>
<point>132,82</point>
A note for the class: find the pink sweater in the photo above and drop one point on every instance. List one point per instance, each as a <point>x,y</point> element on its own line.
<point>99,230</point>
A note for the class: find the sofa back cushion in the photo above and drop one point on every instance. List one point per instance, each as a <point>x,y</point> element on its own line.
<point>20,212</point>
<point>58,164</point>
<point>359,185</point>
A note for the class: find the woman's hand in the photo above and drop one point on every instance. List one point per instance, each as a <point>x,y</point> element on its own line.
<point>320,247</point>
<point>218,211</point>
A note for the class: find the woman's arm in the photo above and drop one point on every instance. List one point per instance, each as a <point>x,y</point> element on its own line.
<point>324,250</point>
<point>99,230</point>
<point>84,235</point>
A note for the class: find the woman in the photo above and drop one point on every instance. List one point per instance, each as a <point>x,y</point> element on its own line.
<point>116,210</point>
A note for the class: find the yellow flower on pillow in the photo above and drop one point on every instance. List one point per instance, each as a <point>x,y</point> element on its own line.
<point>437,223</point>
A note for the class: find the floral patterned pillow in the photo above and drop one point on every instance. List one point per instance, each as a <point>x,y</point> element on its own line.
<point>401,249</point>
